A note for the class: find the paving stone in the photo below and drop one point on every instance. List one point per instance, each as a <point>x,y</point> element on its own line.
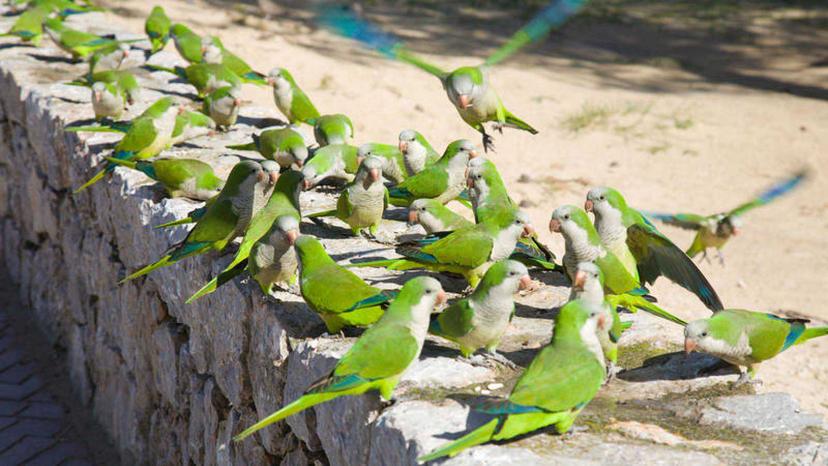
<point>26,448</point>
<point>61,453</point>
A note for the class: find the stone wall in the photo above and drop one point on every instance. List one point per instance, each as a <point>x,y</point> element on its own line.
<point>171,383</point>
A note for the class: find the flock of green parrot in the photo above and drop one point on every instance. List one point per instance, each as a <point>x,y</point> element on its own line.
<point>610,258</point>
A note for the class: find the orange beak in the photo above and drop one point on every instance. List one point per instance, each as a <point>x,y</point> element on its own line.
<point>403,146</point>
<point>736,231</point>
<point>181,110</point>
<point>98,95</point>
<point>271,81</point>
<point>262,176</point>
<point>374,174</point>
<point>473,154</point>
<point>555,226</point>
<point>528,231</point>
<point>441,298</point>
<point>580,281</point>
<point>291,236</point>
<point>126,53</point>
<point>469,183</point>
<point>525,282</point>
<point>299,163</point>
<point>306,184</point>
<point>413,217</point>
<point>274,177</point>
<point>465,102</point>
<point>602,321</point>
<point>588,205</point>
<point>237,102</point>
<point>689,346</point>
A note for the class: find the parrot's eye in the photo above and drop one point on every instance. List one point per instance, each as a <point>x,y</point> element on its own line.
<point>704,334</point>
<point>427,291</point>
<point>566,217</point>
<point>601,197</point>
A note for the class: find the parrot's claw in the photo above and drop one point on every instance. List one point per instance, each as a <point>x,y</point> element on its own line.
<point>745,378</point>
<point>495,356</point>
<point>498,127</point>
<point>612,372</point>
<point>576,429</point>
<point>477,360</point>
<point>488,143</point>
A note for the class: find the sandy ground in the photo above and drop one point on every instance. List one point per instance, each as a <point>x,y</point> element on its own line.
<point>679,111</point>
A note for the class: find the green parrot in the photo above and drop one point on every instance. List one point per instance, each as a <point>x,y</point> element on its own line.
<point>186,42</point>
<point>481,319</point>
<point>468,87</point>
<point>286,146</point>
<point>468,251</point>
<point>29,25</point>
<point>283,201</point>
<point>222,105</point>
<point>108,100</point>
<point>341,298</point>
<point>561,380</point>
<point>111,57</point>
<point>588,286</point>
<point>123,79</point>
<point>338,161</point>
<point>379,357</point>
<point>148,135</point>
<point>79,44</point>
<point>190,125</point>
<point>435,217</point>
<point>189,178</point>
<point>417,152</point>
<point>362,201</point>
<point>205,77</point>
<point>157,28</point>
<point>333,129</point>
<point>643,250</point>
<point>290,99</point>
<point>393,165</point>
<point>713,231</point>
<point>213,51</point>
<point>246,189</point>
<point>747,338</point>
<point>443,180</point>
<point>584,245</point>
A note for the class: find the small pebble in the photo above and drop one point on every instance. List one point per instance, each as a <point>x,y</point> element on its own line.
<point>494,386</point>
<point>524,178</point>
<point>477,389</point>
<point>485,392</point>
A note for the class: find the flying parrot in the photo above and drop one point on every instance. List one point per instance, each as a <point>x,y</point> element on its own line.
<point>584,245</point>
<point>417,152</point>
<point>480,320</point>
<point>643,250</point>
<point>379,357</point>
<point>290,99</point>
<point>435,217</point>
<point>561,380</point>
<point>713,231</point>
<point>747,338</point>
<point>227,217</point>
<point>189,178</point>
<point>443,180</point>
<point>286,146</point>
<point>362,202</point>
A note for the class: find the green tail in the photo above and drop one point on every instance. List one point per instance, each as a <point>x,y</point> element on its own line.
<point>183,221</point>
<point>216,282</point>
<point>696,248</point>
<point>92,129</point>
<point>324,213</point>
<point>304,402</point>
<point>176,71</point>
<point>478,436</point>
<point>97,177</point>
<point>248,146</point>
<point>254,77</point>
<point>513,120</point>
<point>390,264</point>
<point>179,252</point>
<point>637,302</point>
<point>124,163</point>
<point>163,262</point>
<point>812,332</point>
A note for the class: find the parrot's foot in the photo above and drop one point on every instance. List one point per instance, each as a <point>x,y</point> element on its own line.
<point>746,378</point>
<point>498,126</point>
<point>488,143</point>
<point>721,258</point>
<point>612,372</point>
<point>385,404</point>
<point>495,356</point>
<point>576,429</point>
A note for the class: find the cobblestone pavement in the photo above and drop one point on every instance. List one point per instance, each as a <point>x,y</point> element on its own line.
<point>37,427</point>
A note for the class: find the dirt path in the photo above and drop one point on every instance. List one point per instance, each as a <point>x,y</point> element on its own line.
<point>682,109</point>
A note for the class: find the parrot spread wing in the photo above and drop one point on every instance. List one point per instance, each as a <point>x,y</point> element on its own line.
<point>686,221</point>
<point>656,255</point>
<point>346,23</point>
<point>553,15</point>
<point>774,192</point>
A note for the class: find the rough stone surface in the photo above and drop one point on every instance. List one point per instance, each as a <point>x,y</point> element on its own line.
<point>770,412</point>
<point>171,383</point>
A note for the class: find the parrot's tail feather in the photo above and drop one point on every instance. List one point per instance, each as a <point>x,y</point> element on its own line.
<point>254,77</point>
<point>376,300</point>
<point>512,120</point>
<point>183,221</point>
<point>248,146</point>
<point>626,325</point>
<point>304,402</point>
<point>163,262</point>
<point>324,213</point>
<point>695,249</point>
<point>125,163</point>
<point>92,129</point>
<point>97,177</point>
<point>163,68</point>
<point>208,288</point>
<point>638,302</point>
<point>478,436</point>
<point>216,282</point>
<point>812,332</point>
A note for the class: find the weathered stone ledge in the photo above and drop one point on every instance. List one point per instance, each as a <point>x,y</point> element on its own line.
<point>171,383</point>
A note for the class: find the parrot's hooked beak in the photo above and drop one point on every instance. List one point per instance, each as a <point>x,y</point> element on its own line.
<point>237,102</point>
<point>98,95</point>
<point>413,217</point>
<point>469,182</point>
<point>306,184</point>
<point>374,174</point>
<point>465,101</point>
<point>181,110</point>
<point>299,163</point>
<point>262,176</point>
<point>588,205</point>
<point>403,147</point>
<point>274,177</point>
<point>271,81</point>
<point>736,231</point>
<point>441,298</point>
<point>528,231</point>
<point>126,52</point>
<point>602,321</point>
<point>291,236</point>
<point>580,281</point>
<point>689,346</point>
<point>555,225</point>
<point>473,154</point>
<point>525,282</point>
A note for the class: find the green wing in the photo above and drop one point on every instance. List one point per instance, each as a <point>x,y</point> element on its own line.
<point>429,183</point>
<point>455,321</point>
<point>140,135</point>
<point>656,255</point>
<point>218,223</point>
<point>344,207</point>
<point>74,38</point>
<point>382,351</point>
<point>467,248</point>
<point>686,221</point>
<point>334,289</point>
<point>561,377</point>
<point>777,190</point>
<point>617,280</point>
<point>175,172</point>
<point>402,54</point>
<point>301,106</point>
